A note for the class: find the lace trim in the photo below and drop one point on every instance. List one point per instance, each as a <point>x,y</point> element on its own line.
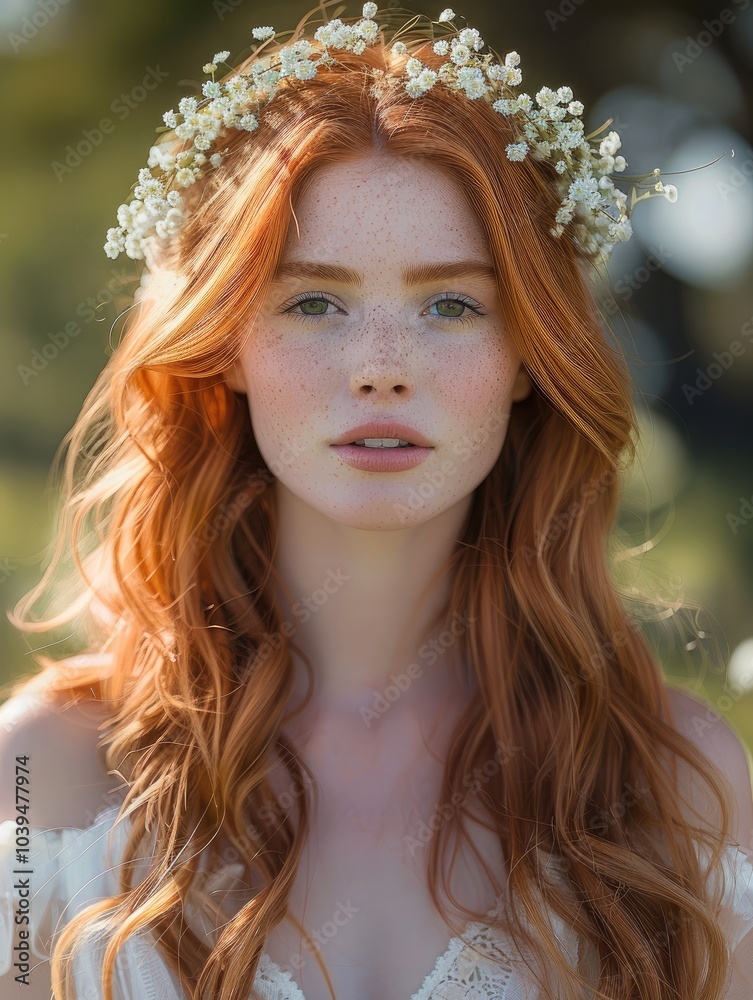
<point>460,969</point>
<point>269,974</point>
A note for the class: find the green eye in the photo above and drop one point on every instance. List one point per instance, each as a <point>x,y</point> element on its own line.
<point>318,303</point>
<point>319,300</point>
<point>457,302</point>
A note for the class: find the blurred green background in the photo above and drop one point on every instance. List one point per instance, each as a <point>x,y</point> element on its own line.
<point>676,78</point>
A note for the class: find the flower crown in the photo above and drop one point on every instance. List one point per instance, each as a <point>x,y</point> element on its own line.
<point>548,127</point>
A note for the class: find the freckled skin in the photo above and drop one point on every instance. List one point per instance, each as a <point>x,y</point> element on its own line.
<point>382,350</point>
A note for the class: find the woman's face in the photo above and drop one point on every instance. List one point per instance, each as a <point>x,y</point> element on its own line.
<point>326,355</point>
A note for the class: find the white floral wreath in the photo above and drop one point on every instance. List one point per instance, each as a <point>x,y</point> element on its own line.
<point>549,127</point>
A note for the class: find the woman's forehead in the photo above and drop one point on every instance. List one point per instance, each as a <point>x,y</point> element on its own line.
<point>349,205</point>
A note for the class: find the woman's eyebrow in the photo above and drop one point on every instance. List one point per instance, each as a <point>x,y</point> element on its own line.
<point>413,274</point>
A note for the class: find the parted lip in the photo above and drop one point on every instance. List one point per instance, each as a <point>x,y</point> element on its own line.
<point>384,430</point>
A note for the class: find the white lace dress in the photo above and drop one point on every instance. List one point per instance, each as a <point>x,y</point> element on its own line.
<point>71,868</point>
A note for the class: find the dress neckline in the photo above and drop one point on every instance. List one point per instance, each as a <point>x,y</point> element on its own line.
<point>433,978</point>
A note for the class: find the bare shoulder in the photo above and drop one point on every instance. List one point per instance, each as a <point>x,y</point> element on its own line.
<point>68,779</point>
<point>705,726</point>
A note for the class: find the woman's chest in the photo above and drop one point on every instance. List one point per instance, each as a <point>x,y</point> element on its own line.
<point>362,897</point>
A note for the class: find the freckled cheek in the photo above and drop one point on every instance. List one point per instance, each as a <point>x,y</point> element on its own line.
<point>285,388</point>
<point>478,384</point>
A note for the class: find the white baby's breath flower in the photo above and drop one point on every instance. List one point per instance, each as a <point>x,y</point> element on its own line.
<point>187,106</point>
<point>427,78</point>
<point>184,177</point>
<point>621,230</point>
<point>368,29</point>
<point>585,189</point>
<point>517,151</point>
<point>583,165</point>
<point>305,69</point>
<point>565,212</point>
<point>471,38</point>
<point>505,106</point>
<point>610,145</point>
<point>170,224</point>
<point>460,53</point>
<point>414,87</point>
<point>471,79</point>
<point>546,97</point>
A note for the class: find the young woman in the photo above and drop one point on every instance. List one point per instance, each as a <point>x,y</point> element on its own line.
<point>341,503</point>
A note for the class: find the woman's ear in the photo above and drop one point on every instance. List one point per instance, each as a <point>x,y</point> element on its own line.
<point>234,378</point>
<point>523,385</point>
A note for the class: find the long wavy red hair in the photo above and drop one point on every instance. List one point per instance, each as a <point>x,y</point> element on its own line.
<point>168,518</point>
